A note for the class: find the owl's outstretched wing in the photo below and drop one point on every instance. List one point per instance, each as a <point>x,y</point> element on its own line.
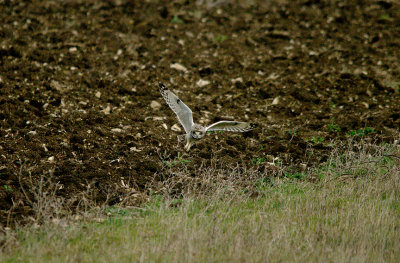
<point>183,112</point>
<point>232,126</point>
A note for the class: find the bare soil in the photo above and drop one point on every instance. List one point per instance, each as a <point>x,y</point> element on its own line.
<point>78,78</point>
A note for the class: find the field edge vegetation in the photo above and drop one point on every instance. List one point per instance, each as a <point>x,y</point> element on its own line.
<point>346,209</point>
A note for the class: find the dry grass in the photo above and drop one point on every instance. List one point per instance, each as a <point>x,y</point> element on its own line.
<point>346,210</point>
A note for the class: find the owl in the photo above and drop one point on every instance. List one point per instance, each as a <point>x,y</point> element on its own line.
<point>195,132</point>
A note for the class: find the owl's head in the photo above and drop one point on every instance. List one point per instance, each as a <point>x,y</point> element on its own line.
<point>198,131</point>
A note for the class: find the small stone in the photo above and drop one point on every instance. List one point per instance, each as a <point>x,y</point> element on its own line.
<point>176,128</point>
<point>240,79</point>
<point>275,101</point>
<point>201,83</point>
<point>73,49</point>
<point>179,67</point>
<point>98,94</point>
<point>51,159</point>
<point>272,76</point>
<point>45,148</point>
<point>165,126</point>
<point>366,105</point>
<point>56,85</point>
<point>32,132</point>
<point>155,105</point>
<point>107,110</point>
<point>134,149</point>
<point>116,130</point>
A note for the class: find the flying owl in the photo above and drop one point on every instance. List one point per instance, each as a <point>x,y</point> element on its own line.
<point>195,131</point>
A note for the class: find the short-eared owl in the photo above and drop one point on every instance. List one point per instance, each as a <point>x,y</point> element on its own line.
<point>194,131</point>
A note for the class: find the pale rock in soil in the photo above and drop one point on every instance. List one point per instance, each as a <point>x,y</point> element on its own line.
<point>44,147</point>
<point>107,110</point>
<point>275,101</point>
<point>155,105</point>
<point>56,85</point>
<point>179,67</point>
<point>134,149</point>
<point>239,79</point>
<point>116,130</point>
<point>201,83</point>
<point>158,118</point>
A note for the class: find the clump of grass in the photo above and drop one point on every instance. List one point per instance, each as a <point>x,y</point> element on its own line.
<point>361,132</point>
<point>296,175</point>
<point>221,38</point>
<point>259,160</point>
<point>334,128</point>
<point>176,20</point>
<point>385,18</point>
<point>41,194</point>
<point>178,160</point>
<point>292,132</point>
<point>7,188</point>
<point>317,139</point>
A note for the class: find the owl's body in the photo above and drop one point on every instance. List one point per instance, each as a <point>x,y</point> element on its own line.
<point>194,131</point>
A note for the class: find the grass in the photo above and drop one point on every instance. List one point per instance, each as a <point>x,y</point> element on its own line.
<point>361,132</point>
<point>334,128</point>
<point>258,160</point>
<point>221,38</point>
<point>347,209</point>
<point>176,20</point>
<point>317,139</point>
<point>178,160</point>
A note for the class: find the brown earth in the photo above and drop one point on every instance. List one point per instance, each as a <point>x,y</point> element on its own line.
<point>78,79</point>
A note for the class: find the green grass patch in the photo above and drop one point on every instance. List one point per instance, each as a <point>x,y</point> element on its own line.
<point>176,20</point>
<point>361,132</point>
<point>221,38</point>
<point>178,160</point>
